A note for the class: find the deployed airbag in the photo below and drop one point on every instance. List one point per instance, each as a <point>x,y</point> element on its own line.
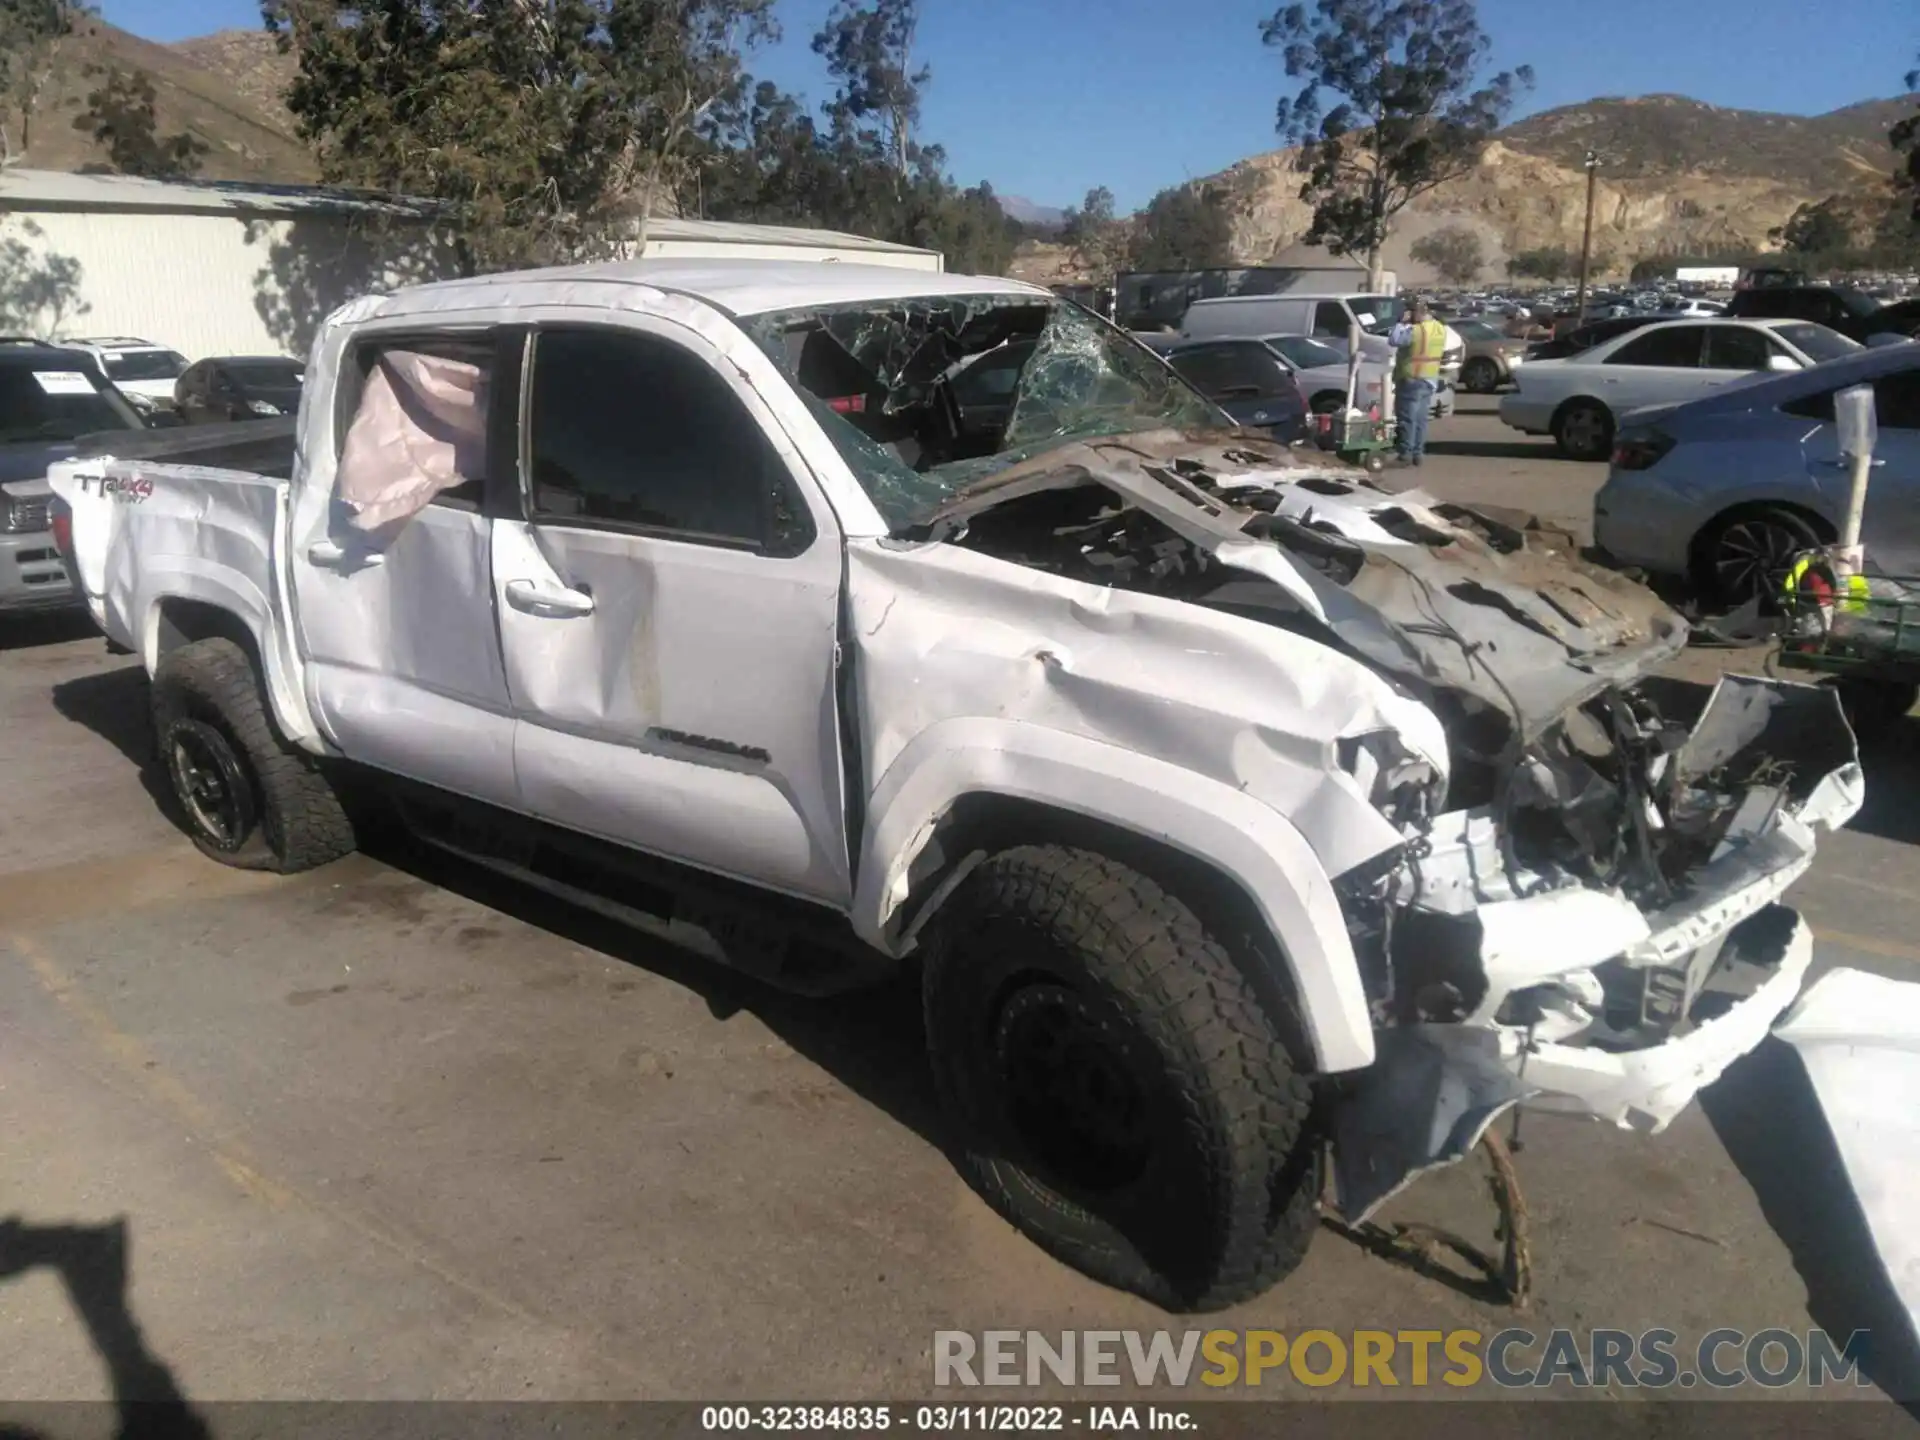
<point>420,429</point>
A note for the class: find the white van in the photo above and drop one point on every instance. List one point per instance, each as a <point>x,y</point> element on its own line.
<point>1327,317</point>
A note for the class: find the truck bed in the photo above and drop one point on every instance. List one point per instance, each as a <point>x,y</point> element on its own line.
<point>261,447</point>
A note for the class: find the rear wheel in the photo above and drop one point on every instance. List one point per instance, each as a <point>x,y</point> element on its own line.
<point>1584,430</point>
<point>248,797</point>
<point>1480,377</point>
<point>1119,1090</point>
<point>1746,555</point>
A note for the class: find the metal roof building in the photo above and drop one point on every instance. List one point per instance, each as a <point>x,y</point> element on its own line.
<point>216,267</point>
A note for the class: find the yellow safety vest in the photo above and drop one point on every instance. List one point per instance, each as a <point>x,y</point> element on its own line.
<point>1420,360</point>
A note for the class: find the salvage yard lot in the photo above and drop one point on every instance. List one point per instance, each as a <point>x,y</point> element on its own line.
<point>396,1128</point>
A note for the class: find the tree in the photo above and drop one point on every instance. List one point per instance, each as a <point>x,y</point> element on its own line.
<point>1100,241</point>
<point>1454,251</point>
<point>120,116</point>
<point>868,47</point>
<point>548,129</point>
<point>1186,227</point>
<point>31,34</point>
<point>1905,136</point>
<point>1815,230</point>
<point>1407,115</point>
<point>1550,263</point>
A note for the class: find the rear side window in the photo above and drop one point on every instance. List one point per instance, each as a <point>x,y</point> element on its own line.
<point>1677,348</point>
<point>1896,403</point>
<point>413,413</point>
<point>633,431</point>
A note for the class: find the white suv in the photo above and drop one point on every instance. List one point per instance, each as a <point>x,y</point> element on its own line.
<point>142,371</point>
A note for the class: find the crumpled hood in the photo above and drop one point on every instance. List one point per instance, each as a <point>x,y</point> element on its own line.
<point>1478,602</point>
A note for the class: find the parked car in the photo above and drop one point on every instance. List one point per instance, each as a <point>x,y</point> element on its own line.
<point>49,398</point>
<point>237,387</point>
<point>141,370</point>
<point>1319,365</point>
<point>1248,381</point>
<point>1726,489</point>
<point>1902,317</point>
<point>1190,767</point>
<point>1579,400</point>
<point>1848,311</point>
<point>1327,317</point>
<point>1491,355</point>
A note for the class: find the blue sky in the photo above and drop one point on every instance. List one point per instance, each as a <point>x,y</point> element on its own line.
<point>1046,98</point>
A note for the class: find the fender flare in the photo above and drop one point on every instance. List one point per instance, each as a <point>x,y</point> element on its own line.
<point>1244,840</point>
<point>220,588</point>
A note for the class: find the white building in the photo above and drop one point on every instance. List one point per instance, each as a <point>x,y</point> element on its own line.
<point>215,267</point>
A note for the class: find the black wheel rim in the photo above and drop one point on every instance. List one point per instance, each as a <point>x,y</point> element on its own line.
<point>212,786</point>
<point>1480,376</point>
<point>1073,1090</point>
<point>1584,430</point>
<point>1753,558</point>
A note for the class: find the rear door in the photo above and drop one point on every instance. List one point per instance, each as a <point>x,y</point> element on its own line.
<point>669,606</point>
<point>1890,528</point>
<point>402,652</point>
<point>1735,352</point>
<point>1664,365</point>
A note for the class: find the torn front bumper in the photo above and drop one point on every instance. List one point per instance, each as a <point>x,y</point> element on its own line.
<point>1590,1004</point>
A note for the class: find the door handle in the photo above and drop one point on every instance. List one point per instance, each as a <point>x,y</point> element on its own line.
<point>1844,463</point>
<point>330,555</point>
<point>548,602</point>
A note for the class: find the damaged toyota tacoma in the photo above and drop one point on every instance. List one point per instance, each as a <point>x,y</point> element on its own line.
<point>1236,812</point>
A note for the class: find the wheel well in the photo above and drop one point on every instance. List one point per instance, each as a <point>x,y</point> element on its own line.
<point>182,621</point>
<point>1573,400</point>
<point>979,825</point>
<point>1816,522</point>
<point>1337,397</point>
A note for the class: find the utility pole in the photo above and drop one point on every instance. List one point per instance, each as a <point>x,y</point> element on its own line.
<point>1586,241</point>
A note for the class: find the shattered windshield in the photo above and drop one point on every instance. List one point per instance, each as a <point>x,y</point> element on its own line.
<point>923,396</point>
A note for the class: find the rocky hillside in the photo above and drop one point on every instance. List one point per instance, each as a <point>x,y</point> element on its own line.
<point>225,88</point>
<point>1677,176</point>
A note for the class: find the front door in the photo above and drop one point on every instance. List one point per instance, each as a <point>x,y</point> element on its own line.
<point>398,634</point>
<point>669,605</point>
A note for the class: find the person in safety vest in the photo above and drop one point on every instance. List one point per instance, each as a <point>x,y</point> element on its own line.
<point>1419,342</point>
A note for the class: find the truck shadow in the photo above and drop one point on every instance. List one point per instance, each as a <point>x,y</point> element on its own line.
<point>870,1039</point>
<point>1766,1114</point>
<point>52,627</point>
<point>93,1264</point>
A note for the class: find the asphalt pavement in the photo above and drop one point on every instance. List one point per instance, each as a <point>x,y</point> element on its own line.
<point>395,1129</point>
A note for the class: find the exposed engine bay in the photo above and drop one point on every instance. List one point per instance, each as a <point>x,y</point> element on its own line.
<point>1584,904</point>
<point>1558,872</point>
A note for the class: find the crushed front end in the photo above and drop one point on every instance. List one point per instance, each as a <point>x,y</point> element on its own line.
<point>1584,910</point>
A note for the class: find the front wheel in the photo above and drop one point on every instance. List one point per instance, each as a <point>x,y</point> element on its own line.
<point>1481,377</point>
<point>249,798</point>
<point>1584,430</point>
<point>1119,1090</point>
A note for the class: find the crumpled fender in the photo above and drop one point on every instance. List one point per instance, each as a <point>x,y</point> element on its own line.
<point>1242,838</point>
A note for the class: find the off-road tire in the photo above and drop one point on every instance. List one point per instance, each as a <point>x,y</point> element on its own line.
<point>211,692</point>
<point>1226,1204</point>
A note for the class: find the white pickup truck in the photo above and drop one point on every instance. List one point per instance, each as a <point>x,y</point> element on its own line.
<point>1237,812</point>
